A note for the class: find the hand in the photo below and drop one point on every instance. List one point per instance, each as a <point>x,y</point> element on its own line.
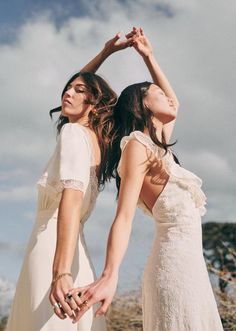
<point>102,290</point>
<point>58,293</point>
<point>140,42</point>
<point>115,44</point>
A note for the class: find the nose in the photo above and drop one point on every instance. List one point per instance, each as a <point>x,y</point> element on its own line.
<point>69,92</point>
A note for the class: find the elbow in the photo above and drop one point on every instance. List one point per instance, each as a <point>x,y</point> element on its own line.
<point>124,218</point>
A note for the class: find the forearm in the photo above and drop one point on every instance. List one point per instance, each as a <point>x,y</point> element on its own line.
<point>96,62</point>
<point>67,234</point>
<point>117,245</point>
<point>159,77</point>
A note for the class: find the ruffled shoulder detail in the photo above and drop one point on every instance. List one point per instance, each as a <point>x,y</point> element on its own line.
<point>189,181</point>
<point>145,140</point>
<point>177,174</point>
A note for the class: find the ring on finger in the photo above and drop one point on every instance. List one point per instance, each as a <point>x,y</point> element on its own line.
<point>57,305</point>
<point>85,303</point>
<point>68,297</point>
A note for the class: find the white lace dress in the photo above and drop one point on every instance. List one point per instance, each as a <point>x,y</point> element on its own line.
<point>176,290</point>
<point>70,166</point>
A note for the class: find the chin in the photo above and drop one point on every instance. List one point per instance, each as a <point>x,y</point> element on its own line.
<point>167,118</point>
<point>66,112</point>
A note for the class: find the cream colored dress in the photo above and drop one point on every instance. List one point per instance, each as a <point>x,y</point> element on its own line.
<point>176,290</point>
<point>71,166</point>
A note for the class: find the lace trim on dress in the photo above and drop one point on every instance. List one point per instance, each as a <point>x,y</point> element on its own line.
<point>58,186</point>
<point>179,175</point>
<point>145,140</point>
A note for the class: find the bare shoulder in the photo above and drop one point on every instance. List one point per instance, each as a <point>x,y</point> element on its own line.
<point>136,155</point>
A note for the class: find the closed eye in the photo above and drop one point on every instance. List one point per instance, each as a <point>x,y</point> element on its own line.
<point>79,90</point>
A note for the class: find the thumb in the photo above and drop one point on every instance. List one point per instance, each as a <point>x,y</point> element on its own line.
<point>102,309</point>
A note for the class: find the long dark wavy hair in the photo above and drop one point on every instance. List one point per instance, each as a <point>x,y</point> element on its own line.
<point>101,122</point>
<point>131,114</point>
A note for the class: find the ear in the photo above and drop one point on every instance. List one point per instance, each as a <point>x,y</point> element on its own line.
<point>94,111</point>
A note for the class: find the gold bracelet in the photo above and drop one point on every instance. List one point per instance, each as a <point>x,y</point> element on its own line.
<point>59,276</point>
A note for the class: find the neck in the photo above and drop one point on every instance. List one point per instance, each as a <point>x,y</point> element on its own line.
<point>81,120</point>
<point>159,128</point>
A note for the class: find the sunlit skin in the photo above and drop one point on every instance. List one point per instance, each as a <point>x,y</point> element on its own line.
<point>141,177</point>
<point>161,106</point>
<point>74,104</point>
<point>138,170</point>
<point>76,108</point>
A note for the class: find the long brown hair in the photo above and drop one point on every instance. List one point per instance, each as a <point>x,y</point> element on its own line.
<point>101,122</point>
<point>131,114</point>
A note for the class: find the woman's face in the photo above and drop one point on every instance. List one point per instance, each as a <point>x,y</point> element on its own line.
<point>159,104</point>
<point>74,99</point>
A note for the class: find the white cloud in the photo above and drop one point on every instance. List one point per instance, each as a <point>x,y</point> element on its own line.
<point>192,42</point>
<point>22,193</point>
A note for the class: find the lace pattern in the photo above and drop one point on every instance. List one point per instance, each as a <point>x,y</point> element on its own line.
<point>58,186</point>
<point>184,178</point>
<point>176,290</point>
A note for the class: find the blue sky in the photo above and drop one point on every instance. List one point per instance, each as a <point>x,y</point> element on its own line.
<point>42,43</point>
<point>14,13</point>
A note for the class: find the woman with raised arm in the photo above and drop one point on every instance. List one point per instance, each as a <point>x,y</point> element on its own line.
<point>176,290</point>
<point>56,257</point>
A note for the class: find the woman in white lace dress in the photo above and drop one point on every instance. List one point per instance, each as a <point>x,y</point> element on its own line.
<point>176,290</point>
<point>56,257</point>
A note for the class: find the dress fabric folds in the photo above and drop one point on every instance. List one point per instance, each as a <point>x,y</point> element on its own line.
<point>176,289</point>
<point>70,166</point>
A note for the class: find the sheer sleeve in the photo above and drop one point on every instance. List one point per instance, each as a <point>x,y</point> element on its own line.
<point>75,157</point>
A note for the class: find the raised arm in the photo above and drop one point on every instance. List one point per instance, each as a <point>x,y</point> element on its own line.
<point>111,46</point>
<point>135,164</point>
<point>144,48</point>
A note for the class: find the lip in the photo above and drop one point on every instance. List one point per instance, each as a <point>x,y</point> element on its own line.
<point>66,101</point>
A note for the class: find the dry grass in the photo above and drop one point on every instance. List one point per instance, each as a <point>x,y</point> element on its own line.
<point>125,313</point>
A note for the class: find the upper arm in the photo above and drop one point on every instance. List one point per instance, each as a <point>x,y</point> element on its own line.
<point>134,166</point>
<point>71,202</point>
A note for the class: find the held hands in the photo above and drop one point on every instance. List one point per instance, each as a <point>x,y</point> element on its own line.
<point>116,44</point>
<point>74,302</point>
<point>63,306</point>
<point>140,42</point>
<point>135,38</point>
<point>102,290</point>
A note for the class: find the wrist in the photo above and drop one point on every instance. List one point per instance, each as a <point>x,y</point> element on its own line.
<point>148,56</point>
<point>60,269</point>
<point>108,273</point>
<point>55,273</point>
<point>105,53</point>
<point>59,276</point>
